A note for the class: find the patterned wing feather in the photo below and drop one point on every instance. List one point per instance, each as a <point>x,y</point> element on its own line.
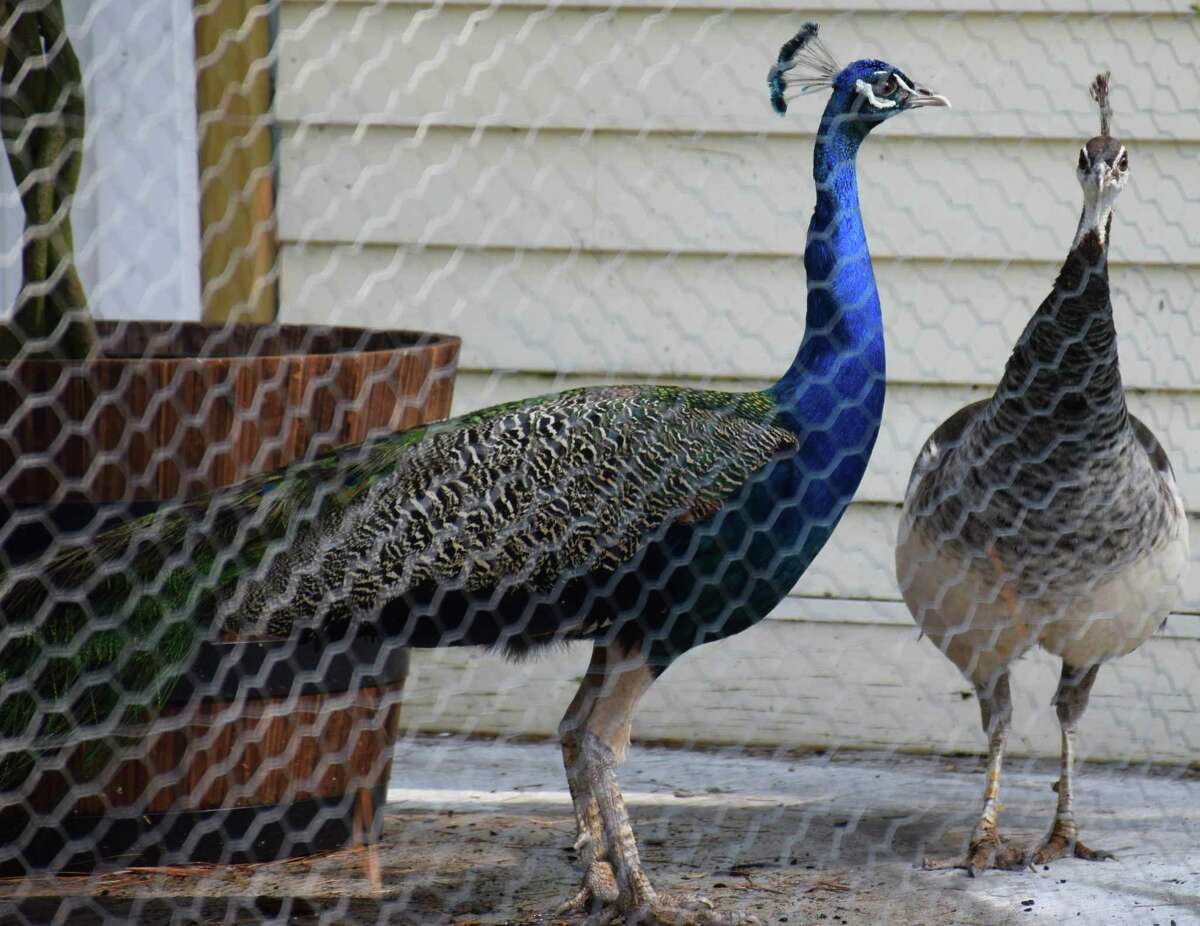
<point>523,497</point>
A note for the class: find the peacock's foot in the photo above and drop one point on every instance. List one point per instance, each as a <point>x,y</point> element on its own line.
<point>599,891</point>
<point>665,910</point>
<point>987,849</point>
<point>1063,842</point>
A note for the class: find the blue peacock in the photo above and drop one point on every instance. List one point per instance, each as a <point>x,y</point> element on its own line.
<point>648,519</point>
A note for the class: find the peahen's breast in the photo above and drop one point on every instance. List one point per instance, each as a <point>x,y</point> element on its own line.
<point>1052,518</point>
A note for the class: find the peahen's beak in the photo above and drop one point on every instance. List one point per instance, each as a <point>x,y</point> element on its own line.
<point>921,97</point>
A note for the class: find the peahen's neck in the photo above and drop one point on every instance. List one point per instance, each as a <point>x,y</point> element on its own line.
<point>1062,387</point>
<point>834,388</point>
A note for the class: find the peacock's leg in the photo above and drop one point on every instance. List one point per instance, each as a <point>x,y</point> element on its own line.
<point>599,883</point>
<point>602,745</point>
<point>987,848</point>
<point>1071,699</point>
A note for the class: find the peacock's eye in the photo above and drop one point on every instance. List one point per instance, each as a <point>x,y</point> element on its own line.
<point>889,86</point>
<point>1083,159</point>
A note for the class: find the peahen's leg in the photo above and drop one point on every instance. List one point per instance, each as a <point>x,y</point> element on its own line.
<point>1063,840</point>
<point>607,710</point>
<point>987,848</point>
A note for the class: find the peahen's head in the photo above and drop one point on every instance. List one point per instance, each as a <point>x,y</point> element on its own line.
<point>1103,171</point>
<point>865,93</point>
<point>1103,166</point>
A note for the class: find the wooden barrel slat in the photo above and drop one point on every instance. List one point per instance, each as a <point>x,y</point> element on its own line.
<point>325,749</point>
<point>219,419</point>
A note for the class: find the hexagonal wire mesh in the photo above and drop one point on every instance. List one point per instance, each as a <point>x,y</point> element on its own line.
<point>225,532</point>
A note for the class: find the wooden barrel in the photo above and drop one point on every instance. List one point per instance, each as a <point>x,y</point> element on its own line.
<point>265,750</point>
<point>268,748</point>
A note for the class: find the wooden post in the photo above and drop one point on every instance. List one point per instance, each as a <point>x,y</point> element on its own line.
<point>237,183</point>
<point>363,814</point>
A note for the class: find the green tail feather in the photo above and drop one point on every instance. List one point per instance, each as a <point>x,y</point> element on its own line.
<point>135,601</point>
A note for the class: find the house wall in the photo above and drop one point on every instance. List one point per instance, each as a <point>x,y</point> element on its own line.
<point>136,216</point>
<point>598,192</point>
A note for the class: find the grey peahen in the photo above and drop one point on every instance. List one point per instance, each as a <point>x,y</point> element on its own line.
<point>1047,515</point>
<point>649,519</point>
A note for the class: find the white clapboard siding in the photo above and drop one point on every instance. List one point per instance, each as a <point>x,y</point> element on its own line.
<point>921,197</point>
<point>597,192</point>
<point>698,69</point>
<point>714,315</point>
<point>826,685</point>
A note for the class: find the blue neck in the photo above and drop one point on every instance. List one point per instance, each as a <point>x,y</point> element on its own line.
<point>837,378</point>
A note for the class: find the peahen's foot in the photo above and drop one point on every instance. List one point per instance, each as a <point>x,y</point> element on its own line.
<point>987,849</point>
<point>598,893</point>
<point>1063,842</point>
<point>665,910</point>
<point>993,851</point>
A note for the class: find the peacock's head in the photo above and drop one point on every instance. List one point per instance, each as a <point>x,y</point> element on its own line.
<point>866,92</point>
<point>1103,166</point>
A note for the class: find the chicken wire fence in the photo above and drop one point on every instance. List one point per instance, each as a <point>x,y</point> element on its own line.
<point>282,217</point>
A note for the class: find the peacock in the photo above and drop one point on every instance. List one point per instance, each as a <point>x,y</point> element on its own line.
<point>1047,515</point>
<point>647,518</point>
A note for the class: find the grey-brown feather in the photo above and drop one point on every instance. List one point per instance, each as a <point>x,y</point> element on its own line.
<point>1051,476</point>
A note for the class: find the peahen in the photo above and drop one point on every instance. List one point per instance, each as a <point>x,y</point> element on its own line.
<point>1047,515</point>
<point>649,519</point>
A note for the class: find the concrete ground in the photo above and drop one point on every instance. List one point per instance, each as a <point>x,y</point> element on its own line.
<point>480,832</point>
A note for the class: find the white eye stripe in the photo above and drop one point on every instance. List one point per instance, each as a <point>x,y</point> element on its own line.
<point>883,75</point>
<point>869,92</point>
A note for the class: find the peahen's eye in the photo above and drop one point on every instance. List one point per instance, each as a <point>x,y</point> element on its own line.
<point>888,87</point>
<point>1124,162</point>
<point>1083,159</point>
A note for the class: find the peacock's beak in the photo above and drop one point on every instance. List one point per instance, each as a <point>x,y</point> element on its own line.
<point>921,97</point>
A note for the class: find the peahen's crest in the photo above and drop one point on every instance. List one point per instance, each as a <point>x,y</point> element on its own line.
<point>1100,87</point>
<point>804,63</point>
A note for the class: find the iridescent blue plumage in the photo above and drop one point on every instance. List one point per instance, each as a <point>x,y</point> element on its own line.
<point>832,395</point>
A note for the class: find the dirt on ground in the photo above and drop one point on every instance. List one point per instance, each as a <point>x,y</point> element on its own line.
<point>482,834</point>
<point>470,868</point>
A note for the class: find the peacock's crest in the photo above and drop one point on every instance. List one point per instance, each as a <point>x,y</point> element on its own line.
<point>804,63</point>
